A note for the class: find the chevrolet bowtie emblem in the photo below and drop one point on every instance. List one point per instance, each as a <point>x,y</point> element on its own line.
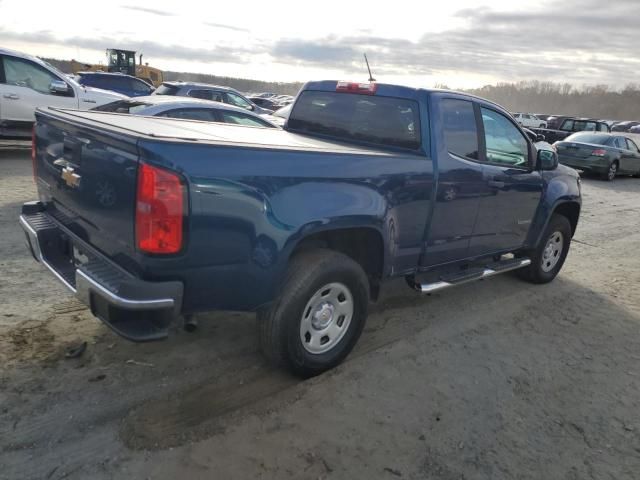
<point>71,178</point>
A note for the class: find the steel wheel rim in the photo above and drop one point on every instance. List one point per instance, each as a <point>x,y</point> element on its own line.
<point>326,318</point>
<point>613,169</point>
<point>552,251</point>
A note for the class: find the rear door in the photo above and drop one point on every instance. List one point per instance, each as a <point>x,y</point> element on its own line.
<point>511,187</point>
<point>24,87</point>
<point>460,183</point>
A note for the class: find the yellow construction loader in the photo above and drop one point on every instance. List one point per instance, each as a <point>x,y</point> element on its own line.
<point>123,61</point>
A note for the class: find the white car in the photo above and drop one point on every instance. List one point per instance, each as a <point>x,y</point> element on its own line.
<point>27,82</point>
<point>529,120</point>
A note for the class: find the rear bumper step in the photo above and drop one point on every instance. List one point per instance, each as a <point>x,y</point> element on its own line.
<point>469,275</point>
<point>135,309</point>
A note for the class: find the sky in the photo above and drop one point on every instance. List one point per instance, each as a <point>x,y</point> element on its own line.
<point>459,43</point>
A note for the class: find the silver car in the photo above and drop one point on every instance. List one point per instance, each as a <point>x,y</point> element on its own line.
<point>188,109</point>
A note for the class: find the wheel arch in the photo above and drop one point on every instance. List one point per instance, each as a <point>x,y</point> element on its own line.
<point>364,244</point>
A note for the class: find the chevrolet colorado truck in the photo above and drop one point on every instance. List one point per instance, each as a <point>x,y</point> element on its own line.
<point>149,220</point>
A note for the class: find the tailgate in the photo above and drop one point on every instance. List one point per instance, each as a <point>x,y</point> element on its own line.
<point>87,179</point>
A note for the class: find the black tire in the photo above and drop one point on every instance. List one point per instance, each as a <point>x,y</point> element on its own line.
<point>542,125</point>
<point>611,172</point>
<point>279,325</point>
<point>536,272</point>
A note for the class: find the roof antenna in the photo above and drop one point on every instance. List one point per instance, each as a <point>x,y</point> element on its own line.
<point>371,79</point>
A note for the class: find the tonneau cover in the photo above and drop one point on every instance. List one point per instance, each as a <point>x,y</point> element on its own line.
<point>163,128</point>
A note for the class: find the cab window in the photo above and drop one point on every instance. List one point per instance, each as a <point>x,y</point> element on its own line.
<point>505,144</point>
<point>460,129</point>
<point>23,73</point>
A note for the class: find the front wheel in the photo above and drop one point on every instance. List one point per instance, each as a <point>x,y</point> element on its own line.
<point>549,256</point>
<point>319,315</point>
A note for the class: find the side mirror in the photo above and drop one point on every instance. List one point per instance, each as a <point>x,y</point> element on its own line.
<point>58,87</point>
<point>540,138</point>
<point>547,160</point>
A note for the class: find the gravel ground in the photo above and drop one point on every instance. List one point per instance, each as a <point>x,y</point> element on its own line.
<point>498,379</point>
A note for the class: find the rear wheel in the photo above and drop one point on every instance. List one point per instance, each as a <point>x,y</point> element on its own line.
<point>611,173</point>
<point>547,259</point>
<point>320,313</point>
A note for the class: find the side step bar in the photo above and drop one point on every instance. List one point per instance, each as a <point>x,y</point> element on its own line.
<point>472,275</point>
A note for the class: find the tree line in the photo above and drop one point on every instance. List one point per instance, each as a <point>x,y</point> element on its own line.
<point>533,96</point>
<point>599,101</point>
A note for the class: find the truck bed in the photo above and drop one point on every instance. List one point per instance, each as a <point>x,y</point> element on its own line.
<point>162,128</point>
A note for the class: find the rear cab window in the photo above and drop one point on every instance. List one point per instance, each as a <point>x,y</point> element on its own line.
<point>386,121</point>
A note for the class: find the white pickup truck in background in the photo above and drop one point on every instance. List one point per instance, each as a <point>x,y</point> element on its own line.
<point>27,82</point>
<point>529,120</point>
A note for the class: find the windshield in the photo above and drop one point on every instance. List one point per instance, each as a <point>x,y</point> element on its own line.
<point>588,138</point>
<point>366,118</point>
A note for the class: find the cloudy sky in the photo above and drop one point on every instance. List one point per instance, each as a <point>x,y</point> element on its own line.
<point>461,43</point>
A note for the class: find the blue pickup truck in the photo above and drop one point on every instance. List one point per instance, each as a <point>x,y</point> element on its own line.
<point>149,220</point>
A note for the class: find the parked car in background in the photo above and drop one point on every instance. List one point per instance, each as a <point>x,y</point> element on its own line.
<point>554,121</point>
<point>635,129</point>
<point>528,120</point>
<point>26,82</point>
<point>369,181</point>
<point>280,116</point>
<point>624,126</point>
<point>605,154</point>
<point>265,103</point>
<point>206,91</point>
<point>265,95</point>
<point>572,125</point>
<point>188,109</point>
<point>116,82</point>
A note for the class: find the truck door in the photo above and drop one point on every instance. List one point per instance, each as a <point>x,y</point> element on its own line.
<point>25,86</point>
<point>512,187</point>
<point>460,182</point>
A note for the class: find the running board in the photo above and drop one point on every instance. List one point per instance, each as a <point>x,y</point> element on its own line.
<point>470,276</point>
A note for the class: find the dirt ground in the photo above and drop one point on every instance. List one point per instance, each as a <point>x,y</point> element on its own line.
<point>498,379</point>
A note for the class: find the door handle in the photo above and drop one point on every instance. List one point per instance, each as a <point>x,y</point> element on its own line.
<point>496,184</point>
<point>11,96</point>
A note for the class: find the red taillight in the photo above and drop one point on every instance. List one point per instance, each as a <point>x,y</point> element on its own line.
<point>33,154</point>
<point>599,152</point>
<point>355,87</point>
<point>159,210</point>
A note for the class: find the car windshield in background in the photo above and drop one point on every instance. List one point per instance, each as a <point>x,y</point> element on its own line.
<point>366,118</point>
<point>588,138</point>
<point>165,89</point>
